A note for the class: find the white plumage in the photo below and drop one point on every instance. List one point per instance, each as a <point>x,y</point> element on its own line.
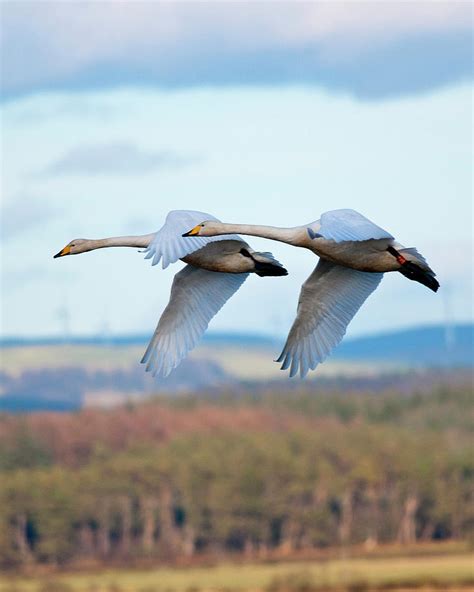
<point>168,245</point>
<point>328,301</point>
<point>349,225</point>
<point>196,297</point>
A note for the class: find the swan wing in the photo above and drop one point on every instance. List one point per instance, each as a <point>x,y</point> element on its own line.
<point>328,301</point>
<point>349,225</point>
<point>196,296</point>
<point>168,245</point>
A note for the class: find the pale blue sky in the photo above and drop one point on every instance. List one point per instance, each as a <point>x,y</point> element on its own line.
<point>94,162</point>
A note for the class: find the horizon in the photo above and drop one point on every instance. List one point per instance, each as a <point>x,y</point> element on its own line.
<point>223,333</point>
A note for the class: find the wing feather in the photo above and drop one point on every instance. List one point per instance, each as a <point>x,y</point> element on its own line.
<point>328,301</point>
<point>197,295</point>
<point>349,225</point>
<point>169,245</point>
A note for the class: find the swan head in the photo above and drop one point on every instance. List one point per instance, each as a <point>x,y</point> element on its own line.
<point>206,228</point>
<point>76,246</point>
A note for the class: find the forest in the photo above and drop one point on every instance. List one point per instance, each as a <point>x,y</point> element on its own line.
<point>252,471</point>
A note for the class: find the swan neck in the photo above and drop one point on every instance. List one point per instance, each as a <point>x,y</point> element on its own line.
<point>141,241</point>
<point>285,235</point>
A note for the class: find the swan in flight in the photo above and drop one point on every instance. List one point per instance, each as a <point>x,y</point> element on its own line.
<point>354,254</point>
<point>216,268</point>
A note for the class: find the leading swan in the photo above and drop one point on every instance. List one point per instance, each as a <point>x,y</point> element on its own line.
<point>354,254</point>
<point>216,268</point>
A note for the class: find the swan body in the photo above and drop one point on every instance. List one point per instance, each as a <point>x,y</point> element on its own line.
<point>354,254</point>
<point>216,268</point>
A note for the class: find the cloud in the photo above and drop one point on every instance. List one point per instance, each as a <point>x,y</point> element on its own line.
<point>79,106</point>
<point>370,49</point>
<point>23,214</point>
<point>119,158</point>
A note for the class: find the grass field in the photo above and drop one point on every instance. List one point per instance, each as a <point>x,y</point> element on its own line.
<point>250,363</point>
<point>450,572</point>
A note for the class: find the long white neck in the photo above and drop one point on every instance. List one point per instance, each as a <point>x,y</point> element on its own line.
<point>119,241</point>
<point>292,236</point>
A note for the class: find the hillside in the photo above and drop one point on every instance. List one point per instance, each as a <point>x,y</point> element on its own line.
<point>433,345</point>
<point>420,346</point>
<point>54,374</point>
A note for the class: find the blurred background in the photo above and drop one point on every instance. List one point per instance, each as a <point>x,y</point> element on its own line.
<point>228,475</point>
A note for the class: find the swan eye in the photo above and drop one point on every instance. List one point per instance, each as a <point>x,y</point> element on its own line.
<point>245,253</point>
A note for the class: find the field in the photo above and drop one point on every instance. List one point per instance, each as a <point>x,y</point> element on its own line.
<point>64,376</point>
<point>249,491</point>
<point>248,362</point>
<point>453,571</point>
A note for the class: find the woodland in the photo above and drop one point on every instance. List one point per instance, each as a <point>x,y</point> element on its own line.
<point>251,472</point>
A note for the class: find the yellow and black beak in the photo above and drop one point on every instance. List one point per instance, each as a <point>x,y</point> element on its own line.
<point>193,231</point>
<point>63,252</point>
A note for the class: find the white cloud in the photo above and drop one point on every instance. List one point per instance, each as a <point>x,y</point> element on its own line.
<point>75,45</point>
<point>117,158</point>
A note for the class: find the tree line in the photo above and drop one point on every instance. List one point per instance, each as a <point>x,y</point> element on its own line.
<point>245,473</point>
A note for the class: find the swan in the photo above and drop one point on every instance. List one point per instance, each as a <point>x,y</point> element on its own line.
<point>216,268</point>
<point>354,254</point>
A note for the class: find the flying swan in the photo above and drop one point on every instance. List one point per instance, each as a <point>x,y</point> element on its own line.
<point>216,268</point>
<point>354,254</point>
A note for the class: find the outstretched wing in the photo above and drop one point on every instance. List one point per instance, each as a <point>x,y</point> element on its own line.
<point>328,301</point>
<point>349,225</point>
<point>169,245</point>
<point>196,296</point>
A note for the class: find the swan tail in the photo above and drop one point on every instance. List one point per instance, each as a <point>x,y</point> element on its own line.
<point>415,268</point>
<point>416,257</point>
<point>267,265</point>
<point>413,272</point>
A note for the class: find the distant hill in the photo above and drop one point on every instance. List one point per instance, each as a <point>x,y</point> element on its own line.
<point>420,346</point>
<point>247,339</point>
<point>52,373</point>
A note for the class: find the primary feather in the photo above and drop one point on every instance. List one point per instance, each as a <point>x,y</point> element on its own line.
<point>328,301</point>
<point>349,225</point>
<point>169,245</point>
<point>197,295</point>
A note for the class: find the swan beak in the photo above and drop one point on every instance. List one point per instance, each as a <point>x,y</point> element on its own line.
<point>65,251</point>
<point>193,231</point>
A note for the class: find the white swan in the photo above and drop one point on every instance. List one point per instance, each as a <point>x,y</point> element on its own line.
<point>354,254</point>
<point>198,292</point>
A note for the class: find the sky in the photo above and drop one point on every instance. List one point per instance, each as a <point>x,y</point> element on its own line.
<point>114,113</point>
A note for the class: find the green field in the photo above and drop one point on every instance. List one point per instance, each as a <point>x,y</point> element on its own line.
<point>249,363</point>
<point>453,571</point>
